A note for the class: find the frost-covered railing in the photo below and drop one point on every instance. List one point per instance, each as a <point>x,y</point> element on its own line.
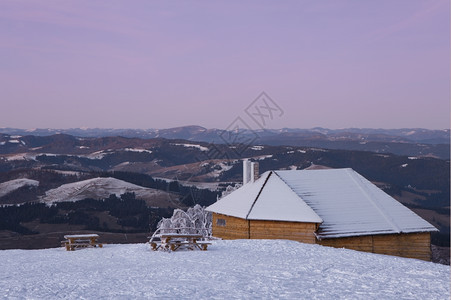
<point>194,221</point>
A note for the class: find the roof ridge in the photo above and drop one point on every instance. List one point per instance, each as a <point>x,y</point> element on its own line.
<point>258,195</point>
<point>366,192</point>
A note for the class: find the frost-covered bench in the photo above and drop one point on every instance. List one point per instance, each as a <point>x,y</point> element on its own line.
<point>176,241</point>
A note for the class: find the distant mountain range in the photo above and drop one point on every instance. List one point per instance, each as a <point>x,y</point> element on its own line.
<point>411,142</point>
<point>201,134</point>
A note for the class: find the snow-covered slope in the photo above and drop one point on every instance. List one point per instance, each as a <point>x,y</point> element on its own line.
<point>12,185</point>
<point>96,188</point>
<point>241,269</point>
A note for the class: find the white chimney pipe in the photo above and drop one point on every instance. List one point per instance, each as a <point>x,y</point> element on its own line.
<point>246,171</point>
<point>252,172</point>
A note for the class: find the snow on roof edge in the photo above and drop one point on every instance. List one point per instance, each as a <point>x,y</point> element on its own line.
<point>387,213</point>
<point>334,226</point>
<point>320,236</point>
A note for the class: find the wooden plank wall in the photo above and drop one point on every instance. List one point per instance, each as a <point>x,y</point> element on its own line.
<point>235,228</point>
<point>411,245</point>
<point>301,232</point>
<point>359,243</point>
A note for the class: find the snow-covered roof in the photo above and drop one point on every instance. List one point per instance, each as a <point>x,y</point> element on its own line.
<point>239,203</point>
<point>277,203</point>
<point>351,205</point>
<point>343,201</point>
<point>287,207</point>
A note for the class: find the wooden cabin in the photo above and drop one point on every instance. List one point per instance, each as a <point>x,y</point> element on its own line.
<point>331,207</point>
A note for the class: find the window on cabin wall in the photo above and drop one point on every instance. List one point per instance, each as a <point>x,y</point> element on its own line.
<point>221,222</point>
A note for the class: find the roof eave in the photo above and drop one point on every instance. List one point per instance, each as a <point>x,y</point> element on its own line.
<point>320,236</point>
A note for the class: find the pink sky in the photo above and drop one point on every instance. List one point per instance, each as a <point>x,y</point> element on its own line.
<point>145,64</point>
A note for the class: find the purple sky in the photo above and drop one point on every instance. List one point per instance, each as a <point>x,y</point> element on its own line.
<point>145,64</point>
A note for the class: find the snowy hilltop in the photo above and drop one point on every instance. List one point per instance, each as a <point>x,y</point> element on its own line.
<point>240,269</point>
<point>12,185</point>
<point>97,188</point>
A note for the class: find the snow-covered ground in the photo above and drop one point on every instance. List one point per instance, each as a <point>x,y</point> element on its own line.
<point>241,269</point>
<point>217,173</point>
<point>212,186</point>
<point>137,150</point>
<point>97,155</point>
<point>262,157</point>
<point>201,148</point>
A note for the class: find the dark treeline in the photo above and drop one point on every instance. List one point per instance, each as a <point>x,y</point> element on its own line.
<point>130,215</point>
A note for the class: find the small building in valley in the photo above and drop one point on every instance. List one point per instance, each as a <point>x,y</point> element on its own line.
<point>331,207</point>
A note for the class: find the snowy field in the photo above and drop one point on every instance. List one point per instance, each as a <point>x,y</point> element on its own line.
<point>242,269</point>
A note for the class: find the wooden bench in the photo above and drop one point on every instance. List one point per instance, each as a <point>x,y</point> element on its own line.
<point>77,241</point>
<point>155,245</point>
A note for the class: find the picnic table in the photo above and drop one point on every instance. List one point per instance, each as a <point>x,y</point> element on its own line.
<point>76,241</point>
<point>175,241</point>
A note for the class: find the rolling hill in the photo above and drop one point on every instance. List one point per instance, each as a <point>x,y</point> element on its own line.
<point>100,188</point>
